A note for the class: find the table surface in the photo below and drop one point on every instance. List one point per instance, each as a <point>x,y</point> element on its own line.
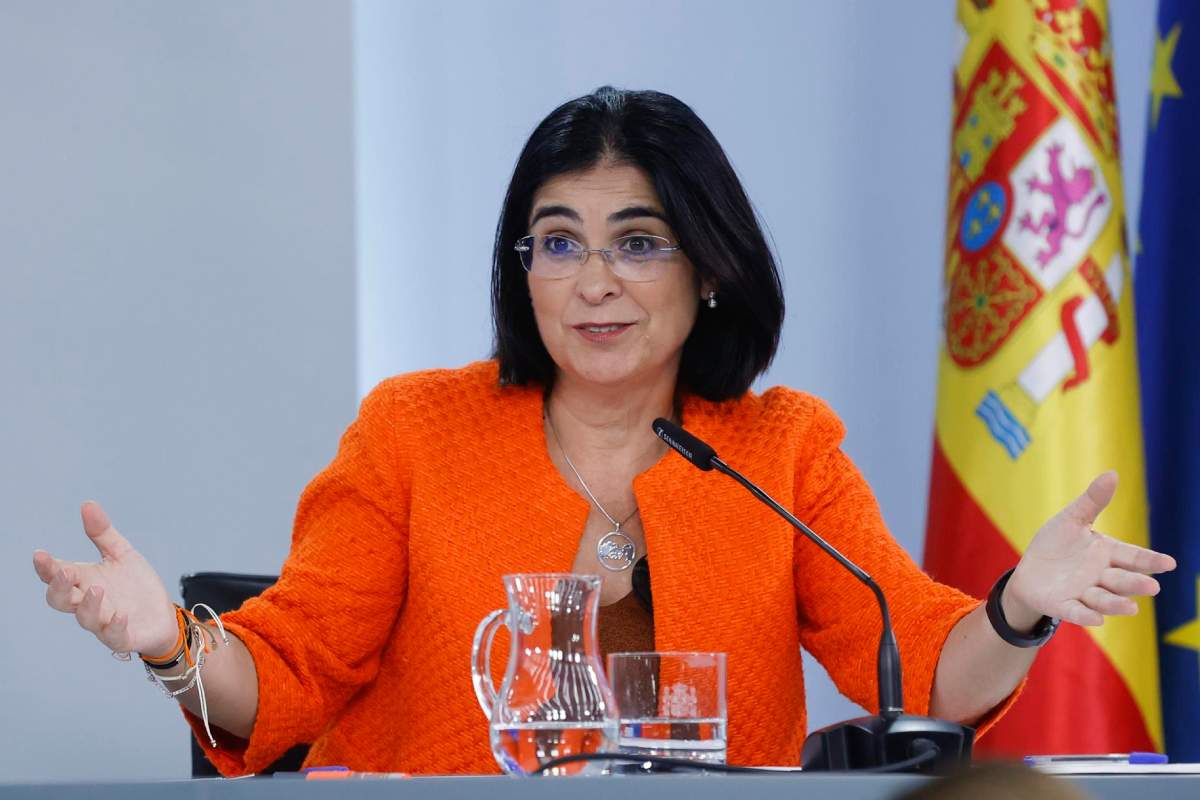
<point>641,787</point>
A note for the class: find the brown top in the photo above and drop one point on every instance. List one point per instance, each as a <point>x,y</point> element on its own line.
<point>625,627</point>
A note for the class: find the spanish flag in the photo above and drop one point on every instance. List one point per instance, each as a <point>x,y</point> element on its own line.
<point>1038,373</point>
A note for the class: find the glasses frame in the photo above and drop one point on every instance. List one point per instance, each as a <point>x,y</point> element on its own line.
<point>525,245</point>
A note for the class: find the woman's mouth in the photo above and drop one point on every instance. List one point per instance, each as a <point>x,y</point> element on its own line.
<point>602,332</point>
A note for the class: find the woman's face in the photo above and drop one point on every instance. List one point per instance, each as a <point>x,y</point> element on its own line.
<point>575,315</point>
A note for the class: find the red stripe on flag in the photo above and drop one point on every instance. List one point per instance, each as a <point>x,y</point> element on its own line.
<point>1075,701</point>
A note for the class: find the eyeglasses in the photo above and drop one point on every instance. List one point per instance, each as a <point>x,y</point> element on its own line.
<point>638,257</point>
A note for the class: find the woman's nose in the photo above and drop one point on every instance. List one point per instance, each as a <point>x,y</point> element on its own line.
<point>596,280</point>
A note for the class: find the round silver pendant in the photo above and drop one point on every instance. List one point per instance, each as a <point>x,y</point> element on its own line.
<point>615,551</point>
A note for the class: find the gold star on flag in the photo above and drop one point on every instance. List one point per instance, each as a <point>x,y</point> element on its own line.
<point>1162,80</point>
<point>1188,634</point>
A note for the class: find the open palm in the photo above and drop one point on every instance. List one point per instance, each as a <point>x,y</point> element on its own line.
<point>120,598</point>
<point>1074,573</point>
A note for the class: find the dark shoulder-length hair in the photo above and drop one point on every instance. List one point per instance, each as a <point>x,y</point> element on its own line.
<point>730,345</point>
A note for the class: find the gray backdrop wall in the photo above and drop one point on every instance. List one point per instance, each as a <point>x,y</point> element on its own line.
<point>219,225</point>
<point>176,324</point>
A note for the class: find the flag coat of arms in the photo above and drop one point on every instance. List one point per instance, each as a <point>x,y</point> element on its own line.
<point>1038,374</point>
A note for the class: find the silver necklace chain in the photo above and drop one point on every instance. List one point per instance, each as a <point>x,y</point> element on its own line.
<point>615,550</point>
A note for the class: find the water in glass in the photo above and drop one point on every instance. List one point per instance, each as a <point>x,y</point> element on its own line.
<point>522,748</point>
<point>697,739</point>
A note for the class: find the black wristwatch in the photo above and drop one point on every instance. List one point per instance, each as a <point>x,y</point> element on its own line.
<point>1041,632</point>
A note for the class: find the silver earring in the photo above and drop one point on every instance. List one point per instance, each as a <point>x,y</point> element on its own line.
<point>712,299</point>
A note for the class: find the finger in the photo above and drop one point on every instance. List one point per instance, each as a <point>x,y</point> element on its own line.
<point>1076,612</point>
<point>1085,508</point>
<point>45,565</point>
<point>1107,603</point>
<point>115,635</point>
<point>1140,559</point>
<point>100,530</point>
<point>1128,584</point>
<point>62,594</point>
<point>88,611</point>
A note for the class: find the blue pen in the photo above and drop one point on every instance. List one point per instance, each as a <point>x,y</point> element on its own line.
<point>1104,758</point>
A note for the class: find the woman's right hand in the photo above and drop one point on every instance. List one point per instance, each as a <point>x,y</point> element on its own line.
<point>120,599</point>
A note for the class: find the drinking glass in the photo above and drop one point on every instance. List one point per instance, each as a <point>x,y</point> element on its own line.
<point>670,704</point>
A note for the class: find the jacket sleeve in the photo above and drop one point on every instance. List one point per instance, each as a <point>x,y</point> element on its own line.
<point>316,636</point>
<point>839,618</point>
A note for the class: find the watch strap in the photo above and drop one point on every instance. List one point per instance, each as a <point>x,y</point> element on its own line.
<point>1041,633</point>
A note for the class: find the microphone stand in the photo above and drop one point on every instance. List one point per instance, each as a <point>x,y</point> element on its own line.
<point>889,737</point>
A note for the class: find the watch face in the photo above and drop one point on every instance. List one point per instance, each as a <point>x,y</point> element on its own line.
<point>1046,628</point>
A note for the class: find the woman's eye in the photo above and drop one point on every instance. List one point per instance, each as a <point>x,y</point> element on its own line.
<point>639,245</point>
<point>558,245</point>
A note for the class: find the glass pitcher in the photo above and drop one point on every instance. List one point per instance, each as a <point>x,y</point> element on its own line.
<point>554,700</point>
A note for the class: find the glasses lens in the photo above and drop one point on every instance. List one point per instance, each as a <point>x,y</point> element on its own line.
<point>641,257</point>
<point>551,256</point>
<point>641,247</point>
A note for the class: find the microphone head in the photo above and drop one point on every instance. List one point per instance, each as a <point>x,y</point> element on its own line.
<point>682,442</point>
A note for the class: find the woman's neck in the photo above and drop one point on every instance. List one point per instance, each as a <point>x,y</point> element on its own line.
<point>610,423</point>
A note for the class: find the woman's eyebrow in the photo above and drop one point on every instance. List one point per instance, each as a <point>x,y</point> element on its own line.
<point>636,212</point>
<point>555,211</point>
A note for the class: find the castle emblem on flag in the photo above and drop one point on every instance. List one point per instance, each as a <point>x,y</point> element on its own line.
<point>995,106</point>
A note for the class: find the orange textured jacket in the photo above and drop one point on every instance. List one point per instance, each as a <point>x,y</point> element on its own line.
<point>443,484</point>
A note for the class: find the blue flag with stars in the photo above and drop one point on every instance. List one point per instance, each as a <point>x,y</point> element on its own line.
<point>1167,286</point>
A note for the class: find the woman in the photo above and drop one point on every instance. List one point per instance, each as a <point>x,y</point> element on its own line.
<point>630,281</point>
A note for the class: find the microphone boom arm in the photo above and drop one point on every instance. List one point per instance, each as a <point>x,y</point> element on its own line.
<point>891,695</point>
<point>889,738</point>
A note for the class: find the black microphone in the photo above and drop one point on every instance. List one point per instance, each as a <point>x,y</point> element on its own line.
<point>892,736</point>
<point>682,442</point>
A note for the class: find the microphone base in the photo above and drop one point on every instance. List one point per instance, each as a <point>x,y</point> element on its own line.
<point>877,741</point>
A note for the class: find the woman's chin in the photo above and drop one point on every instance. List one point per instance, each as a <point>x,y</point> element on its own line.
<point>607,372</point>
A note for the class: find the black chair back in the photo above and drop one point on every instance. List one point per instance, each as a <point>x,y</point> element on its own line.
<point>225,591</point>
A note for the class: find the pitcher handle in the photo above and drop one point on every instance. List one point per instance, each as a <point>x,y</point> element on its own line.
<point>481,660</point>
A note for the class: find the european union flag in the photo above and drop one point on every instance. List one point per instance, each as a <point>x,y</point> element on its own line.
<point>1167,283</point>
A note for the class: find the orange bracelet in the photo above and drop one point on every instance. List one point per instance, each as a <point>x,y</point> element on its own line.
<point>192,621</point>
<point>174,653</point>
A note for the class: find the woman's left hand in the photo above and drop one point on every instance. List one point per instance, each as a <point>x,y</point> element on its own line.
<point>1072,572</point>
